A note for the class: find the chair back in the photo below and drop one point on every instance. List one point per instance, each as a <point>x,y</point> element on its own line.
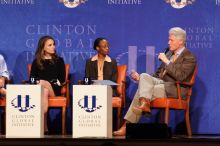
<point>29,70</point>
<point>67,67</point>
<point>191,82</point>
<point>122,69</point>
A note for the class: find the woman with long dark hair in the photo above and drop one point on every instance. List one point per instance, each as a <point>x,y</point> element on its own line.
<point>49,69</point>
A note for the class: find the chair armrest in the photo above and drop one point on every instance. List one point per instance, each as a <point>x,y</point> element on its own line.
<point>65,83</point>
<point>123,83</point>
<point>179,89</point>
<point>184,83</point>
<point>121,92</point>
<point>65,90</point>
<point>8,81</point>
<point>24,82</point>
<point>80,82</point>
<point>121,86</point>
<point>65,87</point>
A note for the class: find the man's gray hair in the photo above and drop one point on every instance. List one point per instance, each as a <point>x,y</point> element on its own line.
<point>178,32</point>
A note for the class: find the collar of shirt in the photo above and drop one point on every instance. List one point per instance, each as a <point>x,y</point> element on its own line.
<point>107,58</point>
<point>179,51</point>
<point>177,54</point>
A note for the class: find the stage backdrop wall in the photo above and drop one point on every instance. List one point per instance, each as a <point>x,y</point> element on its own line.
<point>137,31</point>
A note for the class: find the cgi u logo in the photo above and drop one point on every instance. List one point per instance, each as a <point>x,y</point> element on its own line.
<point>72,3</point>
<point>180,4</point>
<point>89,104</point>
<point>22,103</point>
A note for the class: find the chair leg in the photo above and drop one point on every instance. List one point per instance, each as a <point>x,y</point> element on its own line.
<point>166,115</point>
<point>63,120</point>
<point>3,128</point>
<point>161,115</point>
<point>1,124</point>
<point>118,117</point>
<point>189,130</point>
<point>4,120</point>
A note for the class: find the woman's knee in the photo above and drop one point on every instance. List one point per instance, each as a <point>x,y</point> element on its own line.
<point>44,83</point>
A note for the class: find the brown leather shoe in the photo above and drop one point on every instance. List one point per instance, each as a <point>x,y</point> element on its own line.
<point>144,107</point>
<point>121,131</point>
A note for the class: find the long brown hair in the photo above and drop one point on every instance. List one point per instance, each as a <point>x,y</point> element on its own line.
<point>39,54</point>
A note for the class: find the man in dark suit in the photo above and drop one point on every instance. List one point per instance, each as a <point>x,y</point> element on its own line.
<point>178,64</point>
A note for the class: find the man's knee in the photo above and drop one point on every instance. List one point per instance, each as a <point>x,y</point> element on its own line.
<point>145,76</point>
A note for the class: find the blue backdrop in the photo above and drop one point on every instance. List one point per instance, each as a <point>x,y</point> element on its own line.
<point>137,31</point>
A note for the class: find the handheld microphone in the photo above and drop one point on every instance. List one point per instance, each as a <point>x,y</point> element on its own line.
<point>87,81</point>
<point>165,51</point>
<point>33,80</point>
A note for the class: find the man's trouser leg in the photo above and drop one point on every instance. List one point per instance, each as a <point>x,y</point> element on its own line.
<point>148,87</point>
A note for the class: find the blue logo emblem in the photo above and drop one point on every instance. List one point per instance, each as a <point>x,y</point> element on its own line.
<point>22,103</point>
<point>89,103</point>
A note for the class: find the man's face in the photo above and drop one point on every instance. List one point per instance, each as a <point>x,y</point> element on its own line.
<point>174,43</point>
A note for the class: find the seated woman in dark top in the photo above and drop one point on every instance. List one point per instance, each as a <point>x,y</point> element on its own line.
<point>101,66</point>
<point>49,69</point>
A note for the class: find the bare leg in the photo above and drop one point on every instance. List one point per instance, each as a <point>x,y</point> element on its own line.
<point>48,86</point>
<point>46,94</point>
<point>48,91</point>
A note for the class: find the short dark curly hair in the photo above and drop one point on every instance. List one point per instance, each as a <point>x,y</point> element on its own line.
<point>97,41</point>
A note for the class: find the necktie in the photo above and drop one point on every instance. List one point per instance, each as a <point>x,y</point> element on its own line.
<point>174,57</point>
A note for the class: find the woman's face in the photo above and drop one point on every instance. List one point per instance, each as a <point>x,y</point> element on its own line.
<point>103,47</point>
<point>49,47</point>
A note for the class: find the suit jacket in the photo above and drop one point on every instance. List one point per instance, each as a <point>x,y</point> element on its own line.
<point>110,71</point>
<point>181,70</point>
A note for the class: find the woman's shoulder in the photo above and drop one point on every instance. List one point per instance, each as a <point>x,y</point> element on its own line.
<point>113,60</point>
<point>60,59</point>
<point>34,61</point>
<point>89,60</point>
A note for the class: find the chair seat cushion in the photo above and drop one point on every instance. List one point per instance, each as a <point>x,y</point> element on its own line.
<point>58,101</point>
<point>169,102</point>
<point>63,90</point>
